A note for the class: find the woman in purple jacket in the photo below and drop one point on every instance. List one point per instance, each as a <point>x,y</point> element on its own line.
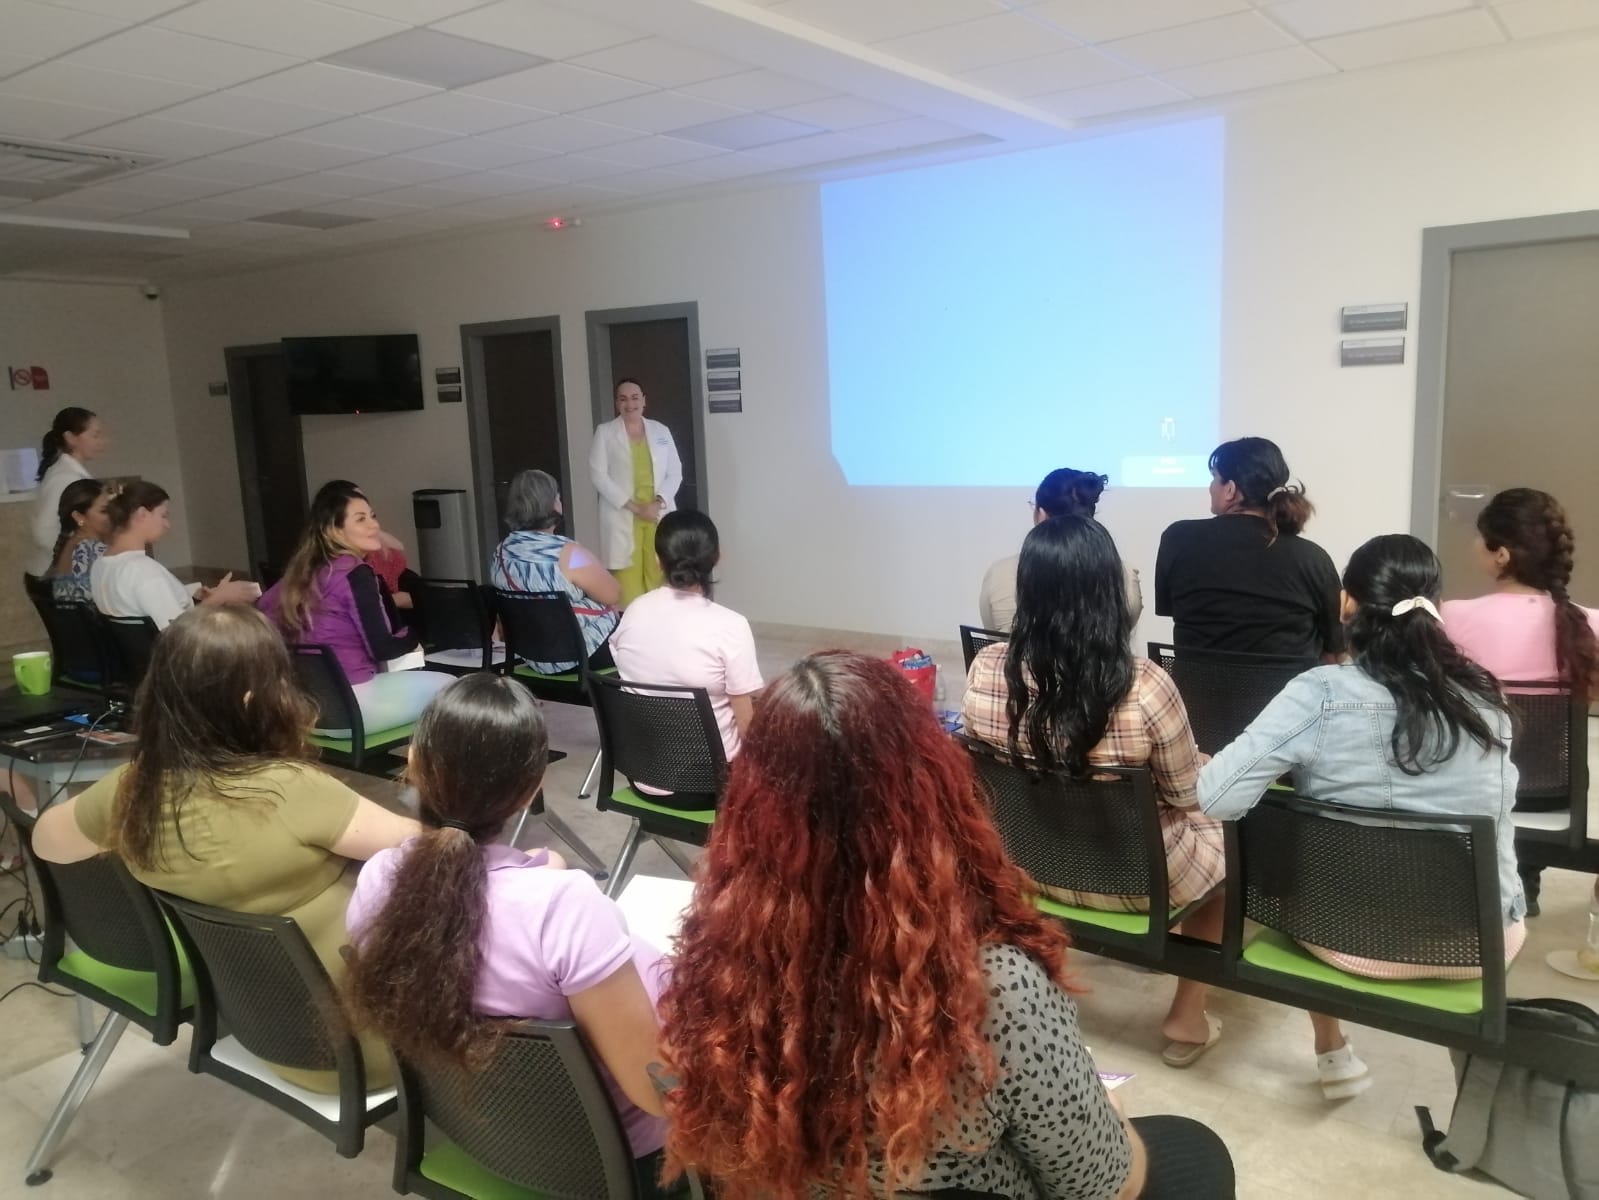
<point>328,595</point>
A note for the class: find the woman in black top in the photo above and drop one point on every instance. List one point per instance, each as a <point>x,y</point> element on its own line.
<point>1245,580</point>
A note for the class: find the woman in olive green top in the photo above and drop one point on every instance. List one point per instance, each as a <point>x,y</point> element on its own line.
<point>219,805</point>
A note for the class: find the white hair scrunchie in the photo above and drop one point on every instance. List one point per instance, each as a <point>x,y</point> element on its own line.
<point>1415,602</point>
<point>1276,491</point>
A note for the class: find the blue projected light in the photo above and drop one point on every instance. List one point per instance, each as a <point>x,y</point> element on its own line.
<point>989,321</point>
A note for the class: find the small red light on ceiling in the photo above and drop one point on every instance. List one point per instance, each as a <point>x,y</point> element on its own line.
<point>563,222</point>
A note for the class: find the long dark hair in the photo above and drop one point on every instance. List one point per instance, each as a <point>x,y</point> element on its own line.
<point>77,497</point>
<point>1257,468</point>
<point>688,547</point>
<point>141,493</point>
<point>218,702</point>
<point>1068,492</point>
<point>1533,527</point>
<point>73,420</point>
<point>319,546</point>
<point>1439,692</point>
<point>479,753</point>
<point>1069,663</point>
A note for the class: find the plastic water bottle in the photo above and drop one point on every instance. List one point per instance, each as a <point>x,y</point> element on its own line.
<point>939,697</point>
<point>1588,956</point>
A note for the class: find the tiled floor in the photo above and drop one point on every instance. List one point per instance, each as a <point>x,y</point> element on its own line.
<point>150,1130</point>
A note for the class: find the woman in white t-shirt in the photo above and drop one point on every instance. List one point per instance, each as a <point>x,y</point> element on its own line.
<point>678,635</point>
<point>76,437</point>
<point>127,582</point>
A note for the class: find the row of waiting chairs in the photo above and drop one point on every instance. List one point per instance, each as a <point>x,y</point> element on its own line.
<point>90,651</point>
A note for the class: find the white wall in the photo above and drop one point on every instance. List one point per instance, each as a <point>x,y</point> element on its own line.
<point>105,350</point>
<point>1327,194</point>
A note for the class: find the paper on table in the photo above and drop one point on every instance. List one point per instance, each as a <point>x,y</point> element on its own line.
<point>654,908</point>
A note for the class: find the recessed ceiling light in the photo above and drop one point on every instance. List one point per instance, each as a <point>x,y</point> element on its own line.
<point>441,59</point>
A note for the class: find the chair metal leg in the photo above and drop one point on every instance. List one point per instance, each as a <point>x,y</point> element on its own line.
<point>86,1026</point>
<point>517,832</point>
<point>35,1172</point>
<point>675,852</point>
<point>563,831</point>
<point>588,780</point>
<point>624,861</point>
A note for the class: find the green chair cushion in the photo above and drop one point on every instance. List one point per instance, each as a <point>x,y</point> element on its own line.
<point>629,799</point>
<point>374,741</point>
<point>1273,951</point>
<point>446,1163</point>
<point>527,672</point>
<point>1121,922</point>
<point>137,988</point>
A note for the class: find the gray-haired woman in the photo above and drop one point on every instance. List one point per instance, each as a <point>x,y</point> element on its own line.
<point>535,558</point>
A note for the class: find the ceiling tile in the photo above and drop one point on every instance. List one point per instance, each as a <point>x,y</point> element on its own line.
<point>371,135</point>
<point>1126,95</point>
<point>339,185</point>
<point>109,203</point>
<point>879,19</point>
<point>338,88</point>
<point>268,118</point>
<point>130,11</point>
<point>562,134</point>
<point>661,62</point>
<point>414,12</point>
<point>1250,71</point>
<point>1203,41</point>
<point>568,168</point>
<point>455,112</point>
<point>164,54</point>
<point>1323,18</point>
<point>913,131</point>
<point>10,63</point>
<point>653,152</point>
<point>1103,20</point>
<point>426,195</point>
<point>303,28</point>
<point>819,148</point>
<point>441,59</point>
<point>91,87</point>
<point>235,234</point>
<point>999,38</point>
<point>725,166</point>
<point>395,169</point>
<point>757,90</point>
<point>470,153</point>
<point>296,152</point>
<point>493,183</point>
<point>367,206</point>
<point>538,28</point>
<point>745,131</point>
<point>558,88</point>
<point>169,139</point>
<point>648,182</point>
<point>159,187</point>
<point>1418,39</point>
<point>44,31</point>
<point>500,208</point>
<point>1051,73</point>
<point>47,119</point>
<point>840,112</point>
<point>225,170</point>
<point>203,211</point>
<point>658,112</point>
<point>1535,18</point>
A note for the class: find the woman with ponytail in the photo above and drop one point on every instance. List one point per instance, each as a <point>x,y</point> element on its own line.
<point>677,634</point>
<point>1246,580</point>
<point>1443,745</point>
<point>453,933</point>
<point>85,526</point>
<point>76,438</point>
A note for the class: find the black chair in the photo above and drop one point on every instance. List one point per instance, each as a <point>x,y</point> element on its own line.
<point>367,751</point>
<point>122,957</point>
<point>1550,750</point>
<point>1224,692</point>
<point>453,614</point>
<point>267,574</point>
<point>1392,886</point>
<point>538,1120</point>
<point>1100,835</point>
<point>132,640</point>
<point>79,652</point>
<point>666,737</point>
<point>259,980</point>
<point>974,639</point>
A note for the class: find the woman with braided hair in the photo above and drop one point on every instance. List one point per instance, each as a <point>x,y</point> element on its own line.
<point>1527,628</point>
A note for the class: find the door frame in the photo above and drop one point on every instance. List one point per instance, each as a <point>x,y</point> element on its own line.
<point>599,321</point>
<point>242,406</point>
<point>474,379</point>
<point>1438,247</point>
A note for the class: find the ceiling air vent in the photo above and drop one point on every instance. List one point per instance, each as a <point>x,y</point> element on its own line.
<point>34,170</point>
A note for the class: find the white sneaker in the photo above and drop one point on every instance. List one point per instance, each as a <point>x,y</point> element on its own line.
<point>1342,1074</point>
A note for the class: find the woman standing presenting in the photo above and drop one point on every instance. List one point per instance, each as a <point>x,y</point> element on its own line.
<point>637,472</point>
<point>76,437</point>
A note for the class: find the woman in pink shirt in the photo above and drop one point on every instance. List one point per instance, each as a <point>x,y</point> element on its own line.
<point>451,930</point>
<point>1528,628</point>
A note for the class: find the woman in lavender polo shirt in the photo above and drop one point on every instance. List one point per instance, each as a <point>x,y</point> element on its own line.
<point>451,929</point>
<point>328,595</point>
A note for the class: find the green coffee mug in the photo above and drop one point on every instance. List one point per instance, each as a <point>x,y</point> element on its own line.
<point>32,671</point>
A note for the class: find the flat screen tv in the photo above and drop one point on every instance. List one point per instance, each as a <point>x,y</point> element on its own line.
<point>353,374</point>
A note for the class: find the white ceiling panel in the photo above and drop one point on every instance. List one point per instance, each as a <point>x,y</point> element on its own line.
<point>108,204</point>
<point>169,139</point>
<point>558,88</point>
<point>493,183</point>
<point>971,45</point>
<point>657,112</point>
<point>439,59</point>
<point>47,119</point>
<point>1323,18</point>
<point>156,188</point>
<point>818,148</point>
<point>236,234</point>
<point>1203,41</point>
<point>201,211</point>
<point>166,54</point>
<point>1125,95</point>
<point>426,195</point>
<point>879,19</point>
<point>562,134</point>
<point>396,169</point>
<point>296,152</point>
<point>126,10</point>
<point>475,154</point>
<point>653,152</point>
<point>1538,18</point>
<point>303,28</point>
<point>724,166</point>
<point>366,206</point>
<point>1287,65</point>
<point>538,28</point>
<point>649,182</point>
<point>44,30</point>
<point>453,112</point>
<point>371,135</point>
<point>413,12</point>
<point>914,131</point>
<point>10,63</point>
<point>338,88</point>
<point>229,172</point>
<point>568,168</point>
<point>1418,39</point>
<point>280,197</point>
<point>335,185</point>
<point>841,112</point>
<point>1106,20</point>
<point>661,62</point>
<point>91,87</point>
<point>757,90</point>
<point>266,118</point>
<point>1082,67</point>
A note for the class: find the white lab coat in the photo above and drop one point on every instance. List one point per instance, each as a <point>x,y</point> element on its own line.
<point>46,520</point>
<point>611,467</point>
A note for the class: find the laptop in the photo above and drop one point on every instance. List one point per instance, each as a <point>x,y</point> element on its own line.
<point>19,711</point>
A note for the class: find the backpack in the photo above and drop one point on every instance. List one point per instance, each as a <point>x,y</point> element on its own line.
<point>1535,1134</point>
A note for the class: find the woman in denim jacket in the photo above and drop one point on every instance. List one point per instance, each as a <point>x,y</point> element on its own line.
<point>1410,724</point>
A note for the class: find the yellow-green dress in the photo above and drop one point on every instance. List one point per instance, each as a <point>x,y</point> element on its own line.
<point>642,573</point>
<point>268,850</point>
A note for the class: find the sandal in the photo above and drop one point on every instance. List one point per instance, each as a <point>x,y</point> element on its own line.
<point>1186,1054</point>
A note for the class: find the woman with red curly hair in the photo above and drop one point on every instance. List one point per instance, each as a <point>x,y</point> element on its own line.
<point>864,1001</point>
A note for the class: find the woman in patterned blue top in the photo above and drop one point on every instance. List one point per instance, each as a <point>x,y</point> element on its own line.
<point>84,528</point>
<point>535,558</point>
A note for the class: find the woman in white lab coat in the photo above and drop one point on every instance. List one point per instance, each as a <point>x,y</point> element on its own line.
<point>77,437</point>
<point>637,471</point>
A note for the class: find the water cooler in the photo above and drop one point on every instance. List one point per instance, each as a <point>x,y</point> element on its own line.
<point>445,545</point>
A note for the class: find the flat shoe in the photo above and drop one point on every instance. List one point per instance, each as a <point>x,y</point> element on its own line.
<point>1186,1054</point>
